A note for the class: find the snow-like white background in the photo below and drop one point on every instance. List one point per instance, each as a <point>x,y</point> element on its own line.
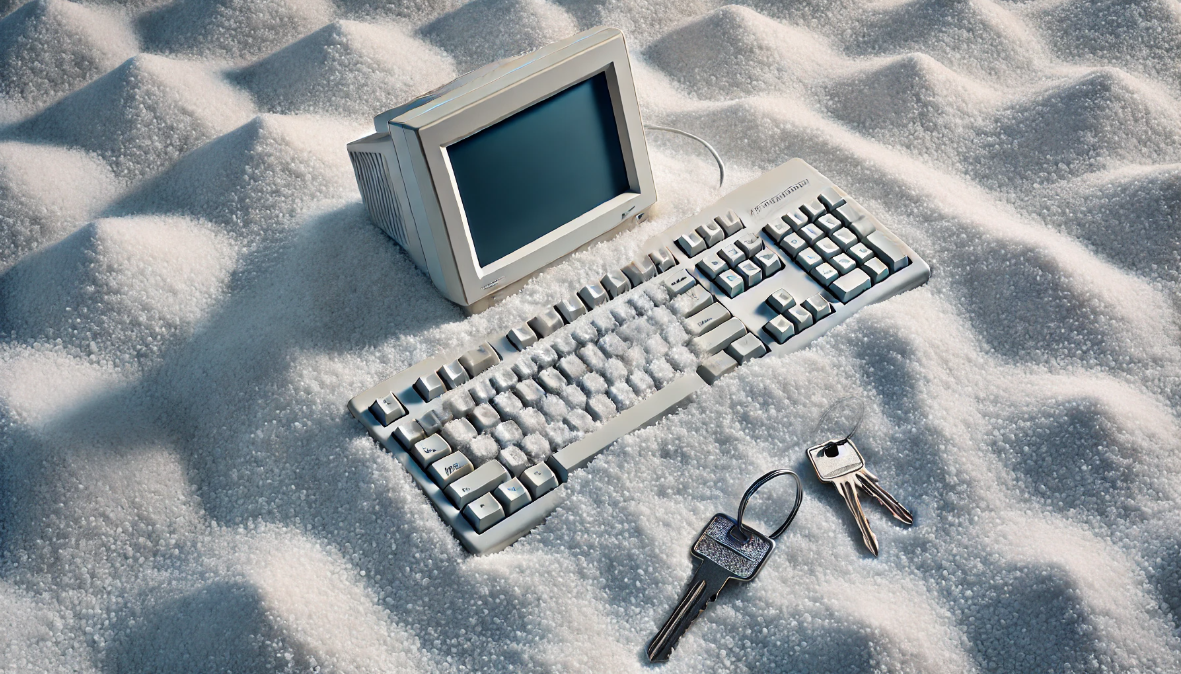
<point>190,291</point>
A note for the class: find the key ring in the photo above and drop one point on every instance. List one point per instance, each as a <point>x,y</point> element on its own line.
<point>738,531</point>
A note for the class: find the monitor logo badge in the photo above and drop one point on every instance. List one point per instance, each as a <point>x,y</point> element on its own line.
<point>627,213</point>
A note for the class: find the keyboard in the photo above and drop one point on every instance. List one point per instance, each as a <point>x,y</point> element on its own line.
<point>491,434</point>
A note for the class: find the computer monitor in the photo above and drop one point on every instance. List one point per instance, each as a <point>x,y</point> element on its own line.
<point>511,168</point>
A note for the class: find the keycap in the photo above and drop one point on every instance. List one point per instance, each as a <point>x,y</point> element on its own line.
<point>887,250</point>
<point>479,359</point>
<point>484,417</point>
<point>750,243</point>
<point>831,198</point>
<point>777,229</point>
<point>810,234</point>
<point>449,469</point>
<point>522,336</point>
<point>679,282</point>
<point>711,265</point>
<point>430,449</point>
<point>430,387</point>
<point>844,238</point>
<point>813,209</point>
<point>545,323</point>
<point>843,264</point>
<point>731,255</point>
<point>691,243</point>
<point>483,513</point>
<point>780,301</point>
<point>475,484</point>
<point>539,480</point>
<point>829,223</point>
<point>572,368</point>
<point>750,272</point>
<point>780,329</point>
<point>571,308</point>
<point>850,285</point>
<point>696,299</point>
<point>600,407</point>
<point>827,248</point>
<point>747,347</point>
<point>860,253</point>
<point>639,270</point>
<point>663,259</point>
<point>529,392</point>
<point>551,380</point>
<point>841,465</point>
<point>387,410</point>
<point>769,262</point>
<point>824,274</point>
<point>793,244</point>
<point>707,319</point>
<point>616,283</point>
<point>716,366</point>
<point>857,220</point>
<point>512,495</point>
<point>711,233</point>
<point>876,269</point>
<point>730,283</point>
<point>719,338</point>
<point>799,317</point>
<point>593,295</point>
<point>730,222</point>
<point>513,459</point>
<point>817,306</point>
<point>795,219</point>
<point>724,557</point>
<point>408,433</point>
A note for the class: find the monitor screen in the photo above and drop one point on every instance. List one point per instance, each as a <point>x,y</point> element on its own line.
<point>544,166</point>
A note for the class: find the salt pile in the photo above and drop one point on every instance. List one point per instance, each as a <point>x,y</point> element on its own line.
<point>190,291</point>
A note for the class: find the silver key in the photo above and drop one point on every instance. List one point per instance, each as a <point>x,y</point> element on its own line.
<point>841,465</point>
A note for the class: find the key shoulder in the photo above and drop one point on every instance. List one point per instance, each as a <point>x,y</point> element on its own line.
<point>846,461</point>
<point>742,560</point>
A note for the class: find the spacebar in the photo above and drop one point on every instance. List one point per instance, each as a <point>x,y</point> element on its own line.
<point>578,454</point>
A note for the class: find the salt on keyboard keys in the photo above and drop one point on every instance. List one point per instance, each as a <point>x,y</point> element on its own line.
<point>545,395</point>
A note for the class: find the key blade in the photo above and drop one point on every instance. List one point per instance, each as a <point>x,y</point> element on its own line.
<point>869,482</point>
<point>706,584</point>
<point>849,490</point>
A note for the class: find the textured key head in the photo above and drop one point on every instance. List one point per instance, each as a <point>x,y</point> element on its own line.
<point>834,460</point>
<point>742,558</point>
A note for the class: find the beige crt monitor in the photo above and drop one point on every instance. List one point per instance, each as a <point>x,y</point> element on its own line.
<point>499,174</point>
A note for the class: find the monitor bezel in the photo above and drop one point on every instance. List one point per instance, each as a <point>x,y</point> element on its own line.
<point>486,108</point>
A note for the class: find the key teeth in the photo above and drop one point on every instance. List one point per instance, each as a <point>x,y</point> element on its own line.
<point>869,482</point>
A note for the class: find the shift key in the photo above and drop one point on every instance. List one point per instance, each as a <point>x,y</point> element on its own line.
<point>719,338</point>
<point>707,319</point>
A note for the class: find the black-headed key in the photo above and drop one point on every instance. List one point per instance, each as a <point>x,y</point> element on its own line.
<point>840,464</point>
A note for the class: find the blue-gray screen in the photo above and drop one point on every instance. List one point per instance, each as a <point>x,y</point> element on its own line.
<point>533,172</point>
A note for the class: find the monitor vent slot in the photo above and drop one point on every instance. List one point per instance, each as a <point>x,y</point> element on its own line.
<point>373,180</point>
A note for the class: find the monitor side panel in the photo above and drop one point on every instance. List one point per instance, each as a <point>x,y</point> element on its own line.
<point>379,179</point>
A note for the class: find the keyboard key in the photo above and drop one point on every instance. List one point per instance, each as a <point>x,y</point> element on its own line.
<point>508,405</point>
<point>750,272</point>
<point>622,395</point>
<point>545,323</point>
<point>844,238</point>
<point>639,270</point>
<point>593,384</point>
<point>719,338</point>
<point>863,227</point>
<point>529,392</point>
<point>430,387</point>
<point>780,301</point>
<point>531,421</point>
<point>430,449</point>
<point>711,233</point>
<point>592,295</point>
<point>730,222</point>
<point>544,355</point>
<point>860,253</point>
<point>777,229</point>
<point>475,484</point>
<point>769,262</point>
<point>482,390</point>
<point>716,366</point>
<point>563,344</point>
<point>707,319</point>
<point>408,433</point>
<point>572,368</point>
<point>453,374</point>
<point>600,407</point>
<point>663,259</point>
<point>460,404</point>
<point>846,213</point>
<point>828,223</point>
<point>730,283</point>
<point>799,317</point>
<point>817,306</point>
<point>433,420</point>
<point>796,220</point>
<point>680,282</point>
<point>616,283</point>
<point>479,359</point>
<point>850,285</point>
<point>793,243</point>
<point>571,308</point>
<point>550,380</point>
<point>711,265</point>
<point>813,209</point>
<point>731,255</point>
<point>484,417</point>
<point>780,329</point>
<point>449,469</point>
<point>539,480</point>
<point>507,433</point>
<point>483,513</point>
<point>513,460</point>
<point>811,234</point>
<point>876,270</point>
<point>691,243</point>
<point>593,357</point>
<point>387,410</point>
<point>830,198</point>
<point>522,336</point>
<point>459,433</point>
<point>824,274</point>
<point>808,259</point>
<point>747,347</point>
<point>693,301</point>
<point>580,421</point>
<point>512,495</point>
<point>887,250</point>
<point>750,243</point>
<point>827,248</point>
<point>843,264</point>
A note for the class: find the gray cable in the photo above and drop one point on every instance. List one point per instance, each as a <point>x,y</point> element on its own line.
<point>717,157</point>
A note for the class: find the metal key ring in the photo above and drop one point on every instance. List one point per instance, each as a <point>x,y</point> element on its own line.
<point>740,530</point>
